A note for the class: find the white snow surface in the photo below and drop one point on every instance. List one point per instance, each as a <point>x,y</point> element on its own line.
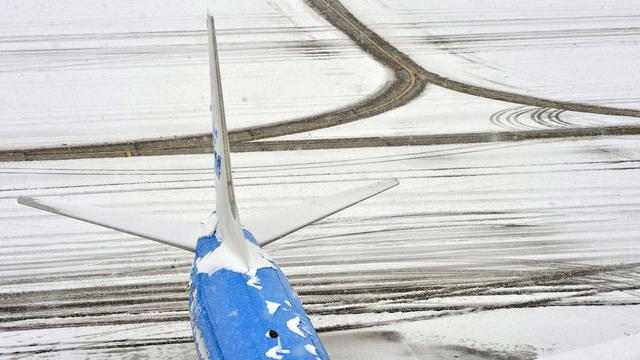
<point>293,325</point>
<point>311,349</point>
<point>277,352</point>
<point>624,348</point>
<point>442,111</point>
<point>565,50</point>
<point>483,251</point>
<point>466,230</point>
<point>575,51</point>
<point>272,307</point>
<point>82,72</point>
<point>556,332</point>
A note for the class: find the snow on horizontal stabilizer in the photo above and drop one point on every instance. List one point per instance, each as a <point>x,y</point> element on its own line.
<point>269,227</point>
<point>177,233</point>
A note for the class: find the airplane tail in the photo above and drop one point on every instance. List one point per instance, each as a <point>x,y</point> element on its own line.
<point>266,227</point>
<point>229,227</point>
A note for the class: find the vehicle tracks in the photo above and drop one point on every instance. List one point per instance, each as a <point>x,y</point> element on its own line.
<point>409,81</point>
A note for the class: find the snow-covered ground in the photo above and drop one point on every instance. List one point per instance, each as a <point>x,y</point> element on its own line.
<point>470,229</point>
<point>563,50</point>
<point>122,70</point>
<point>505,250</point>
<point>577,51</point>
<point>126,71</point>
<point>524,334</point>
<point>442,111</point>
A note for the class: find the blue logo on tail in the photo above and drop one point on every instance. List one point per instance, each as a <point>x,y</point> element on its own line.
<point>217,166</point>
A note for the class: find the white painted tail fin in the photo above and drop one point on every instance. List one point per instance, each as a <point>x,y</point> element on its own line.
<point>229,227</point>
<point>278,222</point>
<point>178,233</point>
<point>183,234</point>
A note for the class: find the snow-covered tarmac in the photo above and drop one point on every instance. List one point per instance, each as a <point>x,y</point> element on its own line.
<point>471,229</point>
<point>569,50</point>
<point>484,251</point>
<point>438,111</point>
<point>97,70</point>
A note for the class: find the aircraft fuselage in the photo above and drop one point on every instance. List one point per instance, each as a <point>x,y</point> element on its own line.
<point>252,315</point>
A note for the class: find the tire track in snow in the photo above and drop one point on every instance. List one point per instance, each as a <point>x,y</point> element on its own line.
<point>409,81</point>
<point>429,249</point>
<point>527,117</point>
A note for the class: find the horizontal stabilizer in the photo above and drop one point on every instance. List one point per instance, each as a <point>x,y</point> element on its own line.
<point>177,233</point>
<point>278,222</point>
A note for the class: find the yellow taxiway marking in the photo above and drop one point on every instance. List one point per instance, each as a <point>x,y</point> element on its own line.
<point>412,75</point>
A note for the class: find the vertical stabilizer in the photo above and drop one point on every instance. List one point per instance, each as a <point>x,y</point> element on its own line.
<point>229,228</point>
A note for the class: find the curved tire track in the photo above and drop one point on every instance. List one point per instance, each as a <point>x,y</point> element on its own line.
<point>529,117</point>
<point>342,19</point>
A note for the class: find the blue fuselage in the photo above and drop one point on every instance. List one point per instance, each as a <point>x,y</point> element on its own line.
<point>248,315</point>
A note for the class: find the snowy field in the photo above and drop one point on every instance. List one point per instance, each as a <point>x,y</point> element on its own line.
<point>564,50</point>
<point>518,244</point>
<point>577,51</point>
<point>509,250</point>
<point>129,70</point>
<point>439,111</point>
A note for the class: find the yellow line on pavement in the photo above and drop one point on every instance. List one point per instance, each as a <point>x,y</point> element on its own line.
<point>412,75</point>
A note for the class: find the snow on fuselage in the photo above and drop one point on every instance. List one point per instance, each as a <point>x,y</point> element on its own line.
<point>250,315</point>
